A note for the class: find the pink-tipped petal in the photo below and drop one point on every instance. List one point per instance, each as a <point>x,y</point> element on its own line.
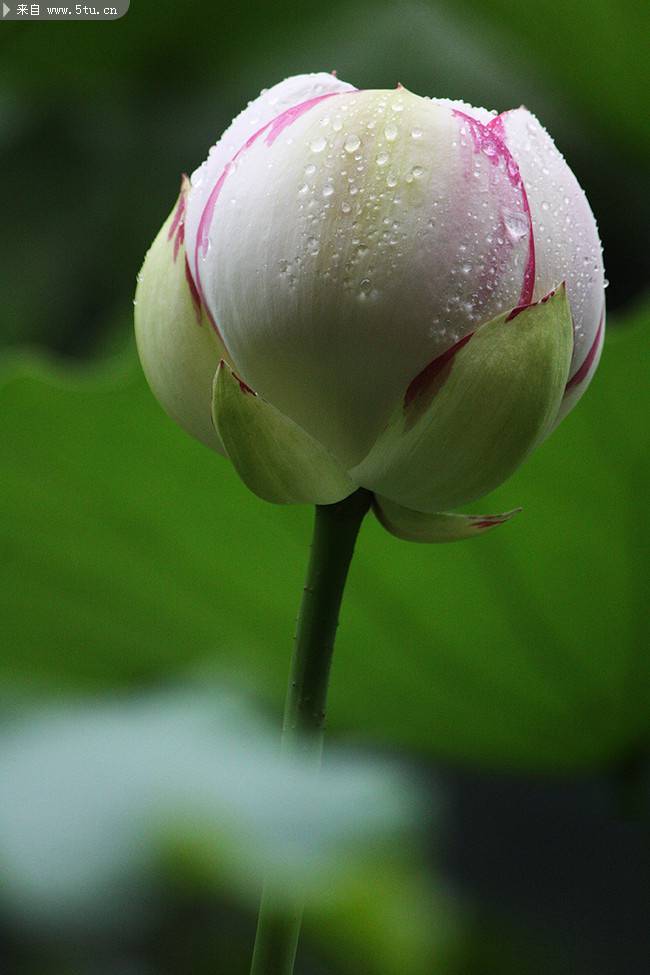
<point>246,126</point>
<point>579,381</point>
<point>442,526</point>
<point>566,236</point>
<point>489,140</point>
<point>178,356</point>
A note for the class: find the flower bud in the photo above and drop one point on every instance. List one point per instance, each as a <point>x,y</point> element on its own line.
<point>407,293</point>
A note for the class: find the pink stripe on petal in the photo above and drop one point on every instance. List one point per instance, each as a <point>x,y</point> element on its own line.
<point>517,310</point>
<point>178,240</point>
<point>490,140</point>
<point>177,226</point>
<point>582,373</point>
<point>275,127</point>
<point>179,212</point>
<point>488,522</point>
<point>430,380</point>
<point>196,298</point>
<point>289,116</point>
<point>245,388</point>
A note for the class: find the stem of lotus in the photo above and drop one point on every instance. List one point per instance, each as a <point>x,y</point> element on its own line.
<point>336,528</point>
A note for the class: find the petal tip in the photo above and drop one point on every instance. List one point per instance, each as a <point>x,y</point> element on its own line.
<point>483,523</point>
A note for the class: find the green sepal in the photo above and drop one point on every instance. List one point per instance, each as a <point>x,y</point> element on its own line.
<point>443,526</point>
<point>275,458</point>
<point>457,437</point>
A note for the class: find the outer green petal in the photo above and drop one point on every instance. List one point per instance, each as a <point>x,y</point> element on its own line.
<point>178,347</point>
<point>464,428</point>
<point>417,526</point>
<point>274,457</point>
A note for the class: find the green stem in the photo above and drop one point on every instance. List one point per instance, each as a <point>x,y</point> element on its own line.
<point>335,533</point>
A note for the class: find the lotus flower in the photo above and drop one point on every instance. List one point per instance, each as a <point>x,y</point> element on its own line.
<point>375,289</point>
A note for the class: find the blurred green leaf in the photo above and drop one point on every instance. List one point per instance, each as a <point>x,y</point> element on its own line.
<point>91,794</point>
<point>131,552</point>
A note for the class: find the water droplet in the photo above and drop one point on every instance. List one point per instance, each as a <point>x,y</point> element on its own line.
<point>283,266</point>
<point>382,158</point>
<point>391,180</point>
<point>416,133</point>
<point>303,189</point>
<point>310,169</point>
<point>328,189</point>
<point>545,205</point>
<point>417,171</point>
<point>352,143</point>
<point>318,144</point>
<point>313,246</point>
<point>516,224</point>
<point>345,206</point>
<point>390,132</point>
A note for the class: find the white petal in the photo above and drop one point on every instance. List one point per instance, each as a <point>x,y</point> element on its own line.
<point>342,256</point>
<point>483,115</point>
<point>567,245</point>
<point>267,106</point>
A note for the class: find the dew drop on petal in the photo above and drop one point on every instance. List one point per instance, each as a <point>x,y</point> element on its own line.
<point>516,224</point>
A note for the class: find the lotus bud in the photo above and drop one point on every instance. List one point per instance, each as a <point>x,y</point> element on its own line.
<point>375,289</point>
